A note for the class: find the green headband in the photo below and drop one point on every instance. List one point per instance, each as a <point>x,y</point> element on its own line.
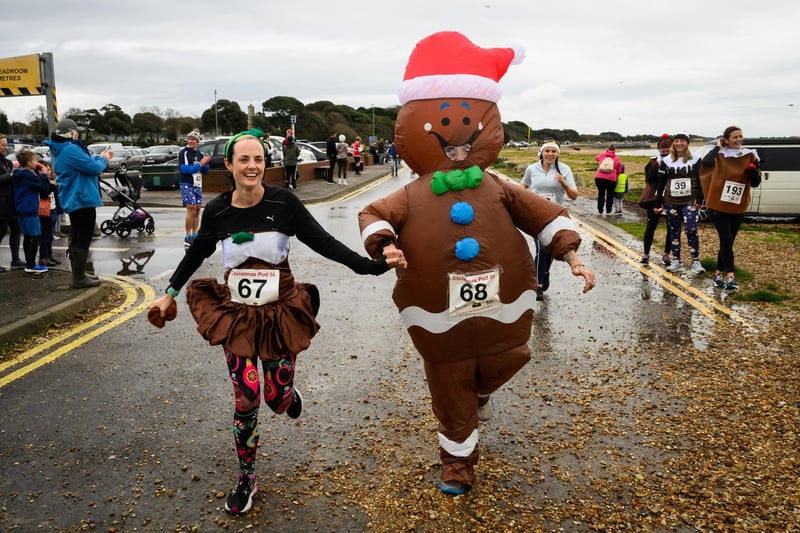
<point>252,132</point>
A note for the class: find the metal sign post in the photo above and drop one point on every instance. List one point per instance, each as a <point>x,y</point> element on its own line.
<point>49,86</point>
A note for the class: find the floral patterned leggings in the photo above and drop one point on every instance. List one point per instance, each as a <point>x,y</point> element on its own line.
<point>278,388</point>
<point>687,215</point>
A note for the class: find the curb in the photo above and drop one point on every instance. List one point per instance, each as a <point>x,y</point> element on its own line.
<point>38,321</point>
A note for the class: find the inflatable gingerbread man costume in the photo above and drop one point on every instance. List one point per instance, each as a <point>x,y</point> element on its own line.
<point>468,292</point>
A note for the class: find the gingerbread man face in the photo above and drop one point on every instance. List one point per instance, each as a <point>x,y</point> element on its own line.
<point>449,119</point>
<point>448,133</point>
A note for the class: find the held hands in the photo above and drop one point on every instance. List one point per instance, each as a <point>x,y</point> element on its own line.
<point>205,160</point>
<point>394,256</point>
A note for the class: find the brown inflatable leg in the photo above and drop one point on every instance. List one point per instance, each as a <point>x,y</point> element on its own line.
<point>454,389</point>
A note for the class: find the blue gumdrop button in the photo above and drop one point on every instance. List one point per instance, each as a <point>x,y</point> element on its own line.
<point>467,248</point>
<point>462,213</point>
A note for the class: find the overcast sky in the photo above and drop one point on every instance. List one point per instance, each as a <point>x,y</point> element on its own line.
<point>593,66</point>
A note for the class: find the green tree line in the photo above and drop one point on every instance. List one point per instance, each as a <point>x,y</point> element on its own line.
<point>314,122</point>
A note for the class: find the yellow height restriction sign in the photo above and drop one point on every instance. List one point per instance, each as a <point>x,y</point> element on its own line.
<point>19,76</point>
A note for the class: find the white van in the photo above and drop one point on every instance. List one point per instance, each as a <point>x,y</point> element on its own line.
<point>779,192</point>
<point>97,148</point>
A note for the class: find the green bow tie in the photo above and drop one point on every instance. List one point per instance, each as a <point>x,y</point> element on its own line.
<point>456,180</point>
<point>242,237</point>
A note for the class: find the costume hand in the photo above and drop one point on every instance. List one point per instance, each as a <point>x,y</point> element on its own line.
<point>162,310</point>
<point>394,256</point>
<point>588,275</point>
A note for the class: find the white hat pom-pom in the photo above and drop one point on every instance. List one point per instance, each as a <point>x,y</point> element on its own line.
<point>519,53</point>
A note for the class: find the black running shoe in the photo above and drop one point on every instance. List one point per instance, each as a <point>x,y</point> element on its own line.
<point>296,407</point>
<point>241,499</point>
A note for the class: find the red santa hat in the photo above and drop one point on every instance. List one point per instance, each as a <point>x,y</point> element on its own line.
<point>448,65</point>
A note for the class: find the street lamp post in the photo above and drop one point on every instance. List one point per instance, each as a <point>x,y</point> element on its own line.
<point>373,122</point>
<point>216,115</point>
<point>293,119</point>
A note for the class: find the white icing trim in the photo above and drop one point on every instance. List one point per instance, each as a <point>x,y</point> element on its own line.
<point>549,231</point>
<point>440,322</point>
<point>459,449</point>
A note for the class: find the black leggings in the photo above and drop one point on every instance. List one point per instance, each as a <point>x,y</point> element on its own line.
<point>727,226</point>
<point>30,244</point>
<point>650,231</point>
<point>11,225</point>
<point>82,227</point>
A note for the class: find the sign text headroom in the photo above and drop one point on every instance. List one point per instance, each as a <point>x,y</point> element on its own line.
<point>19,76</point>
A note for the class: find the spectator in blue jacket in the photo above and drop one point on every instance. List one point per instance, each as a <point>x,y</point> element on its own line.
<point>192,164</point>
<point>77,171</point>
<point>30,181</point>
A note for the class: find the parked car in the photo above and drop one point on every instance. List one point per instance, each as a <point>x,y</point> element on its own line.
<point>306,155</point>
<point>161,153</point>
<point>320,145</point>
<point>319,155</point>
<point>98,148</point>
<point>216,149</point>
<point>125,160</point>
<point>779,191</point>
<point>42,151</point>
<point>16,147</point>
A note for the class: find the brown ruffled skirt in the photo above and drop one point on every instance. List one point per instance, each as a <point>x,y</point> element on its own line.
<point>269,331</point>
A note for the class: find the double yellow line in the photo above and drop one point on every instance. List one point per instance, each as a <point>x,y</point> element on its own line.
<point>138,296</point>
<point>698,299</point>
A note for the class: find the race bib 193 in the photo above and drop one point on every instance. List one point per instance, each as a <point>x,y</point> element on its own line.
<point>732,192</point>
<point>473,293</point>
<point>254,286</point>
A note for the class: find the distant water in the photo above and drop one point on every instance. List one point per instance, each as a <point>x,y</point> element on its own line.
<point>652,152</point>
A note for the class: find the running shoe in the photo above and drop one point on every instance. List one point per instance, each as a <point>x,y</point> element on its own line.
<point>36,269</point>
<point>453,488</point>
<point>731,285</point>
<point>697,268</point>
<point>645,260</point>
<point>187,241</point>
<point>718,281</point>
<point>675,266</point>
<point>19,264</point>
<point>241,499</point>
<point>296,406</point>
<point>666,259</point>
<point>486,410</point>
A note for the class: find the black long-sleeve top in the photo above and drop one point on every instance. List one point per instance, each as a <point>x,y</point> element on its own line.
<point>279,210</point>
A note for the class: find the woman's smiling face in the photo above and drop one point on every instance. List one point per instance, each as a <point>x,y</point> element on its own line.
<point>549,155</point>
<point>735,139</point>
<point>247,165</point>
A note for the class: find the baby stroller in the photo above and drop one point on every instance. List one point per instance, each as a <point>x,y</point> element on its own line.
<point>129,215</point>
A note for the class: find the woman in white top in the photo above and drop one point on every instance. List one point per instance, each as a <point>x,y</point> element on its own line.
<point>554,181</point>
